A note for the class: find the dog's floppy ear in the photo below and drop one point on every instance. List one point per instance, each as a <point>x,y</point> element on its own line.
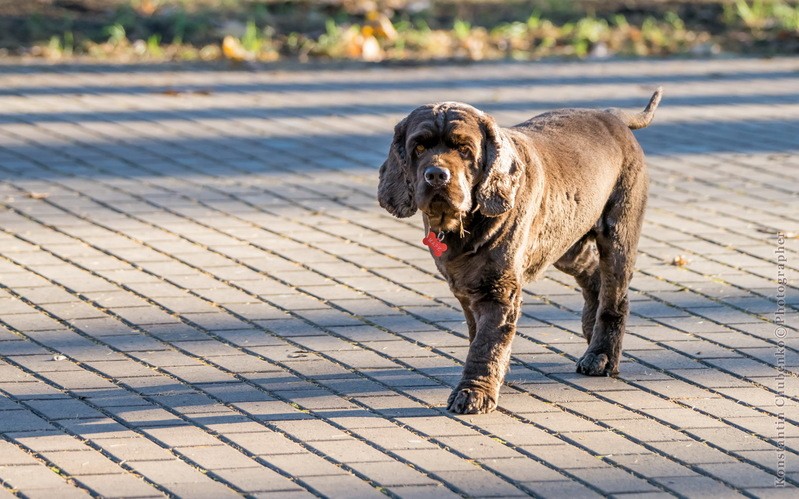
<point>496,191</point>
<point>395,190</point>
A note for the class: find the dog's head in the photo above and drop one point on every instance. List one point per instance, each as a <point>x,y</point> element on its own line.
<point>447,159</point>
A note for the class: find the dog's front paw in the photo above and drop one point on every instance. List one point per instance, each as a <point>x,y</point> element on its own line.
<point>471,400</point>
<point>597,364</point>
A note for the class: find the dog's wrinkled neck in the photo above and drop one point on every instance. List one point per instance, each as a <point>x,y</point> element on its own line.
<point>477,231</point>
<point>484,231</point>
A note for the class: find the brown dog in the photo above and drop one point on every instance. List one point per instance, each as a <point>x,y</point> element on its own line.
<point>567,187</point>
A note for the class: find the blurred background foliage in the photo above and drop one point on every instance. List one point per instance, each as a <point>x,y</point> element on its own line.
<point>377,30</point>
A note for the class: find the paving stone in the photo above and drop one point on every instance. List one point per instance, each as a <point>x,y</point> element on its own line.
<point>144,416</point>
<point>780,492</point>
<point>742,475</point>
<point>565,456</point>
<point>258,479</point>
<point>770,460</point>
<point>83,462</point>
<point>265,443</point>
<point>613,480</point>
<point>480,483</point>
<point>311,430</point>
<point>217,457</point>
<point>56,409</point>
<point>653,465</point>
<point>67,492</point>
<point>350,451</point>
<point>292,494</point>
<point>304,465</point>
<point>392,473</point>
<point>31,476</point>
<point>21,420</point>
<point>337,485</point>
<point>479,446</point>
<point>434,460</point>
<point>180,436</point>
<point>562,488</point>
<point>692,452</point>
<point>169,471</point>
<point>606,443</point>
<point>12,455</point>
<point>521,469</point>
<point>563,421</point>
<point>684,418</point>
<point>79,380</point>
<point>31,322</point>
<point>699,485</point>
<point>133,449</point>
<point>392,437</point>
<point>436,426</point>
<point>732,439</point>
<point>420,491</point>
<point>19,347</point>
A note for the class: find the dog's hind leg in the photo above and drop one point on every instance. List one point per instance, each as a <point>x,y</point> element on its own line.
<point>617,242</point>
<point>581,261</point>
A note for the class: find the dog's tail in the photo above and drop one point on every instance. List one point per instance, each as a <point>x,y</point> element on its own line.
<point>642,119</point>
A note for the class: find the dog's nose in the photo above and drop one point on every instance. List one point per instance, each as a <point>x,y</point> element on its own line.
<point>436,176</point>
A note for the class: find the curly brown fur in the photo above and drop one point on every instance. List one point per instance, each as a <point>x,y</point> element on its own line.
<point>565,188</point>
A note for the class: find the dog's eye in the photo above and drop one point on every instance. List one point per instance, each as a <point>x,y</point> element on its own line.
<point>420,149</point>
<point>465,152</point>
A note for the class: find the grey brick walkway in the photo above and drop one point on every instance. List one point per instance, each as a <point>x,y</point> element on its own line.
<point>201,298</point>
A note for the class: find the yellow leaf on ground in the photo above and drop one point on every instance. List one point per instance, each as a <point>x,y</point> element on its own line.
<point>232,49</point>
<point>679,261</point>
<point>147,7</point>
<point>371,50</point>
<point>383,27</point>
<point>352,43</point>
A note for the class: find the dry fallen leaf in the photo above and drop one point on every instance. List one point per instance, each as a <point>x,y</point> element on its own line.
<point>147,7</point>
<point>680,261</point>
<point>381,26</point>
<point>371,50</point>
<point>38,195</point>
<point>352,42</point>
<point>233,50</point>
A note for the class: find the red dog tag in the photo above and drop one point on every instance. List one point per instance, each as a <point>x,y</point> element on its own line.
<point>435,245</point>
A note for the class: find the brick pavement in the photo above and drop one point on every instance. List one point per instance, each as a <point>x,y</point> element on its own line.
<point>200,297</point>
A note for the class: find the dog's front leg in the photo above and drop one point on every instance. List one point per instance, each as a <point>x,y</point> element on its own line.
<point>489,355</point>
<point>466,304</point>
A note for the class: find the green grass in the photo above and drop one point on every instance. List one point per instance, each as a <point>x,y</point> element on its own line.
<point>186,29</point>
<point>763,14</point>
